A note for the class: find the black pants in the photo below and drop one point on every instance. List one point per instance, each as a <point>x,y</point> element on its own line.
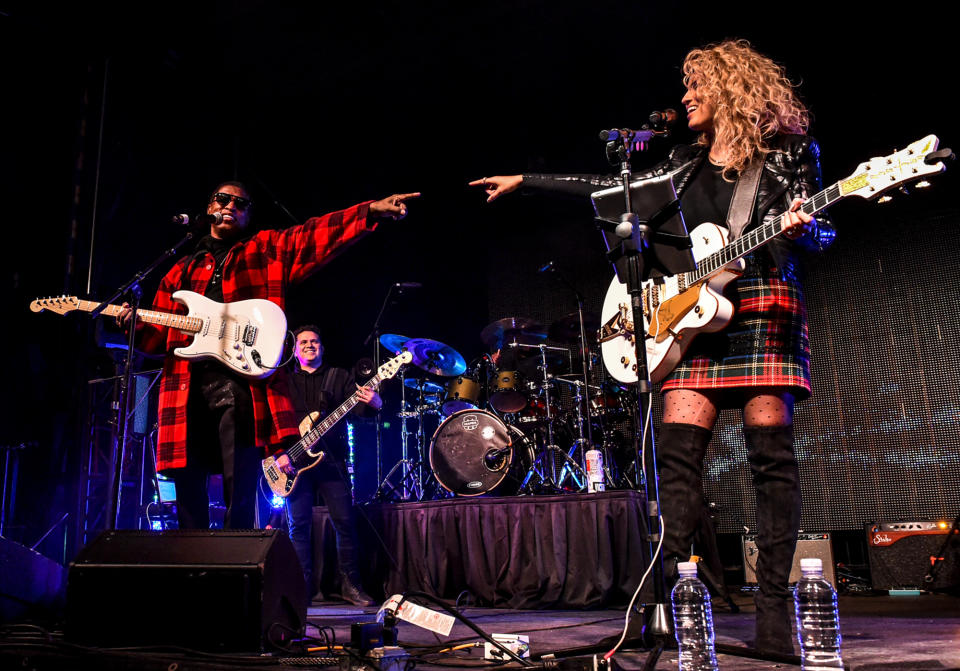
<point>329,479</point>
<point>220,439</point>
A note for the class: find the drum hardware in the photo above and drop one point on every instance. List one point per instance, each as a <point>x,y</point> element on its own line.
<point>570,466</point>
<point>438,359</point>
<point>411,481</point>
<point>581,420</point>
<point>573,329</point>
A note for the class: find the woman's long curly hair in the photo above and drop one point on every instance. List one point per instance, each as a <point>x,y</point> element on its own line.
<point>752,99</point>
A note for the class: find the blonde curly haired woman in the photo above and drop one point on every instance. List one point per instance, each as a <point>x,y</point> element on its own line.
<point>746,113</point>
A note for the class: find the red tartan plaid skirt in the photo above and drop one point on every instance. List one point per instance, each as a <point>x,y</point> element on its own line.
<point>765,344</point>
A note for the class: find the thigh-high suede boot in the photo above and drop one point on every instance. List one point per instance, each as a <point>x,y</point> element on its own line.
<point>776,479</point>
<point>680,452</point>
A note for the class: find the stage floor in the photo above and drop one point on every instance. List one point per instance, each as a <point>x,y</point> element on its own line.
<point>879,632</point>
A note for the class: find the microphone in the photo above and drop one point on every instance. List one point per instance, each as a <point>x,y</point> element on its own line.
<point>407,285</point>
<point>545,268</point>
<point>667,117</point>
<point>616,134</point>
<point>187,220</point>
<point>493,457</point>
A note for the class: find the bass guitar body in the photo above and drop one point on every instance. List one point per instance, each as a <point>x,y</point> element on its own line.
<point>281,483</point>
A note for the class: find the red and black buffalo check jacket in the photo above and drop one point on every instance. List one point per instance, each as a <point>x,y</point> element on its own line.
<point>262,266</point>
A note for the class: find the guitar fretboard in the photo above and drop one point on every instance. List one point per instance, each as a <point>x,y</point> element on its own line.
<point>316,433</point>
<point>181,322</point>
<point>760,236</point>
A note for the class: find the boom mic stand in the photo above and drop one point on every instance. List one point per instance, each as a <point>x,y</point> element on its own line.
<point>375,335</point>
<point>121,412</point>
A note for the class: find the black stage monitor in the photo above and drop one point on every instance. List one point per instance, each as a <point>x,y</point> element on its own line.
<point>222,591</point>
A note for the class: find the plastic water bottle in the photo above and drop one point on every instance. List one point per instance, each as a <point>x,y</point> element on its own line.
<point>693,621</point>
<point>818,625</point>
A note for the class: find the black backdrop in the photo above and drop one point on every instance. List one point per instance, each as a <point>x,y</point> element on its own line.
<point>116,117</point>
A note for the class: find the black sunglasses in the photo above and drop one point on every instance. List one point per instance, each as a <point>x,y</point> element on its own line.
<point>223,199</point>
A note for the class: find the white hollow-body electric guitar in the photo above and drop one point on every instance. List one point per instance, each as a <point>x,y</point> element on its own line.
<point>305,453</point>
<point>680,306</point>
<point>246,336</point>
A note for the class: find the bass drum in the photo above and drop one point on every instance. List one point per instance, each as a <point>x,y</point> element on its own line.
<point>472,453</point>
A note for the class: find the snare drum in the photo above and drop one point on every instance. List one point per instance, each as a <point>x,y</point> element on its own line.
<point>462,393</point>
<point>472,453</point>
<point>507,392</point>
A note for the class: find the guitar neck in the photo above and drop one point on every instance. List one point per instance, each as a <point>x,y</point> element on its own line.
<point>762,235</point>
<point>180,322</point>
<point>313,435</point>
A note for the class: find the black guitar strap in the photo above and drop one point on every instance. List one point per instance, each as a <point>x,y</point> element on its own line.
<point>744,197</point>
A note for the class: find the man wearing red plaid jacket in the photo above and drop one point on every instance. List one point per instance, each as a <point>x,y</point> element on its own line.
<point>212,420</point>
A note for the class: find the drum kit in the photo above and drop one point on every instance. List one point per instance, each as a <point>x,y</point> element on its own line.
<point>514,421</point>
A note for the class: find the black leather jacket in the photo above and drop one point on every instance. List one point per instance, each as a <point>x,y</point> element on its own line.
<point>791,170</point>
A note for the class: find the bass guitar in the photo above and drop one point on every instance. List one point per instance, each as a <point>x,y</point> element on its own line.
<point>304,454</point>
<point>246,336</point>
<point>678,307</point>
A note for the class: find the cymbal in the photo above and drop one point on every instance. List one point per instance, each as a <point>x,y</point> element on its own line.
<point>394,342</point>
<point>557,362</point>
<point>567,328</point>
<point>426,387</point>
<point>435,357</point>
<point>513,329</point>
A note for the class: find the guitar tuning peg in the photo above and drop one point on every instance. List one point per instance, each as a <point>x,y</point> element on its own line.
<point>903,189</point>
<point>884,199</point>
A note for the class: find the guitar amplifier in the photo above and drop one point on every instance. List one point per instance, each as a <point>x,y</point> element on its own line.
<point>808,546</point>
<point>223,591</point>
<point>902,554</point>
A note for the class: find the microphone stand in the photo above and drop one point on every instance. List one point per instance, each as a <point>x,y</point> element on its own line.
<point>119,437</point>
<point>635,249</point>
<point>584,355</point>
<point>375,335</point>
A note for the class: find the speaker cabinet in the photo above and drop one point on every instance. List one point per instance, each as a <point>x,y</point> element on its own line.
<point>223,591</point>
<point>808,546</point>
<point>902,553</point>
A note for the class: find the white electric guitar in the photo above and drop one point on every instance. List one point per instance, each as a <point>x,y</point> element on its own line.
<point>304,454</point>
<point>685,304</point>
<point>246,336</point>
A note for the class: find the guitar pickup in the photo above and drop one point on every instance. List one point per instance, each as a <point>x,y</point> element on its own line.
<point>249,334</point>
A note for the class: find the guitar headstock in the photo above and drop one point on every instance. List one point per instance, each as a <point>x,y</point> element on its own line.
<point>59,304</point>
<point>880,174</point>
<point>390,368</point>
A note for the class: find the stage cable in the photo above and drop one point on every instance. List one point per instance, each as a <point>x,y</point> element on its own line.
<point>626,622</point>
<point>467,621</point>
